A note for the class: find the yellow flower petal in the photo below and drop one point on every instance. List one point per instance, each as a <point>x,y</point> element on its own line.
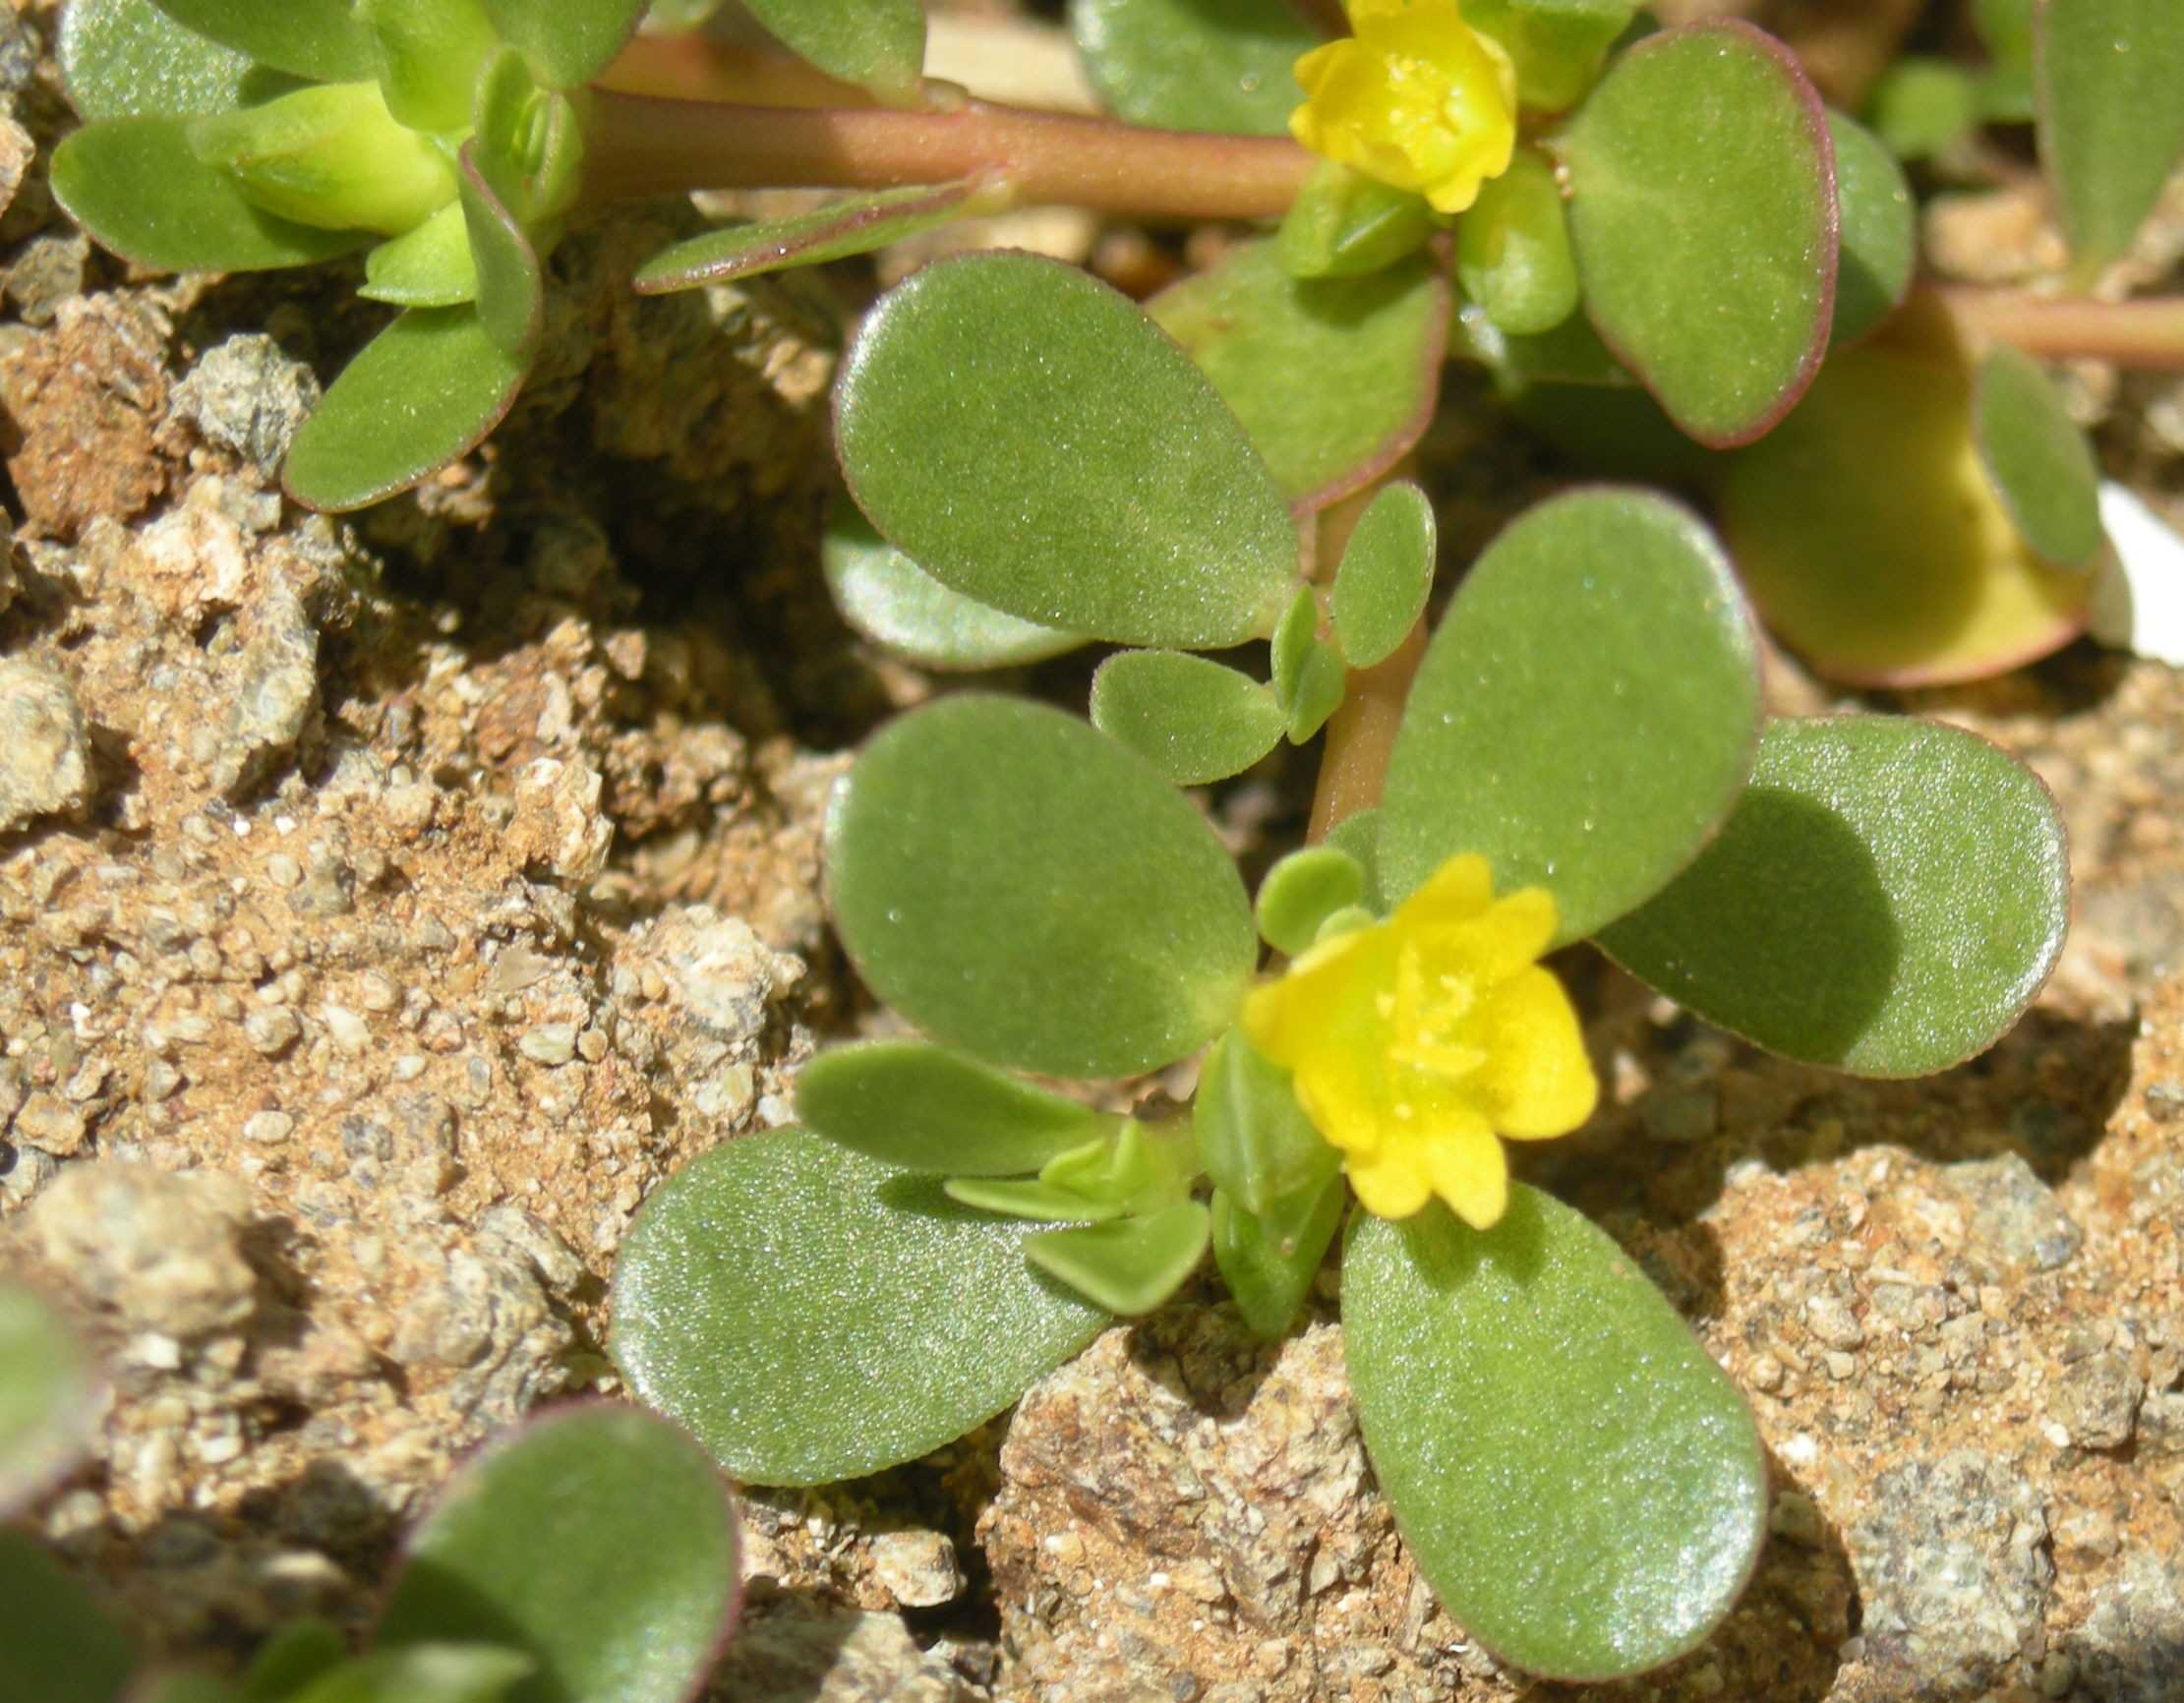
<point>1393,1183</point>
<point>1538,1081</point>
<point>1470,1174</point>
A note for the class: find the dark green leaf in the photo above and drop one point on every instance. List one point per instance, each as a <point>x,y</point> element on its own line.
<point>428,267</point>
<point>1881,231</point>
<point>1333,379</point>
<point>1253,1138</point>
<point>1386,571</point>
<point>424,391</point>
<point>1303,891</point>
<point>566,42</point>
<point>1193,719</point>
<point>1219,65</point>
<point>1268,1261</point>
<point>295,1655</point>
<point>320,40</point>
<point>136,187</point>
<point>128,59</point>
<point>48,1395</point>
<point>2112,128</point>
<point>855,226</point>
<point>812,1315</point>
<point>60,1646</point>
<point>1703,212</point>
<point>2041,465</point>
<point>925,1109</point>
<point>447,1672</point>
<point>1921,106</point>
<point>1600,779</point>
<point>1019,885</point>
<point>598,1543</point>
<point>1512,249</point>
<point>878,43</point>
<point>429,55</point>
<point>1129,1265</point>
<point>1888,897</point>
<point>1573,1475</point>
<point>511,285</point>
<point>1117,496</point>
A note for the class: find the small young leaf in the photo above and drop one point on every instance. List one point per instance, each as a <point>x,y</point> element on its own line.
<point>1343,224</point>
<point>328,156</point>
<point>2042,468</point>
<point>1019,885</point>
<point>61,1647</point>
<point>1703,212</point>
<point>566,42</point>
<point>1135,1169</point>
<point>855,226</point>
<point>427,267</point>
<point>813,1316</point>
<point>2005,28</point>
<point>1318,691</point>
<point>1253,1138</point>
<point>1577,1479</point>
<point>134,185</point>
<point>1557,45</point>
<point>292,1658</point>
<point>448,1672</point>
<point>1333,379</point>
<point>1303,891</point>
<point>1129,1265</point>
<point>429,53</point>
<point>598,1544</point>
<point>878,43</point>
<point>323,40</point>
<point>925,1109</point>
<point>1888,897</point>
<point>1217,65</point>
<point>1921,106</point>
<point>48,1392</point>
<point>1118,497</point>
<point>1028,1198</point>
<point>896,603</point>
<point>424,391</point>
<point>511,284</point>
<point>1598,781</point>
<point>2112,128</point>
<point>1268,1261</point>
<point>1512,249</point>
<point>1881,231</point>
<point>1386,571</point>
<point>128,59</point>
<point>1359,834</point>
<point>1193,719</point>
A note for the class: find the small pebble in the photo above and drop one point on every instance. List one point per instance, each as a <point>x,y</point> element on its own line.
<point>551,1043</point>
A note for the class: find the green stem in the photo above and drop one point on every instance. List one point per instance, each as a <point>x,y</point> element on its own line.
<point>641,145</point>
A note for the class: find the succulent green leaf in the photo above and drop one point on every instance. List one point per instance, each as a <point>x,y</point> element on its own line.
<point>566,42</point>
<point>1880,230</point>
<point>878,43</point>
<point>1128,1266</point>
<point>511,283</point>
<point>1577,1479</point>
<point>2112,128</point>
<point>1302,891</point>
<point>1030,1197</point>
<point>428,266</point>
<point>1253,1138</point>
<point>1135,1169</point>
<point>2041,465</point>
<point>447,1672</point>
<point>1921,106</point>
<point>812,1315</point>
<point>1193,719</point>
<point>1703,212</point>
<point>1219,65</point>
<point>330,155</point>
<point>48,1391</point>
<point>1512,249</point>
<point>1570,354</point>
<point>1269,1260</point>
<point>1386,569</point>
<point>1333,379</point>
<point>428,54</point>
<point>598,1543</point>
<point>1888,897</point>
<point>1600,782</point>
<point>62,1646</point>
<point>424,391</point>
<point>134,185</point>
<point>1321,683</point>
<point>291,1659</point>
<point>2005,28</point>
<point>128,59</point>
<point>1343,223</point>
<point>1558,47</point>
<point>925,1109</point>
<point>1359,834</point>
<point>1290,648</point>
<point>896,603</point>
<point>1118,497</point>
<point>836,231</point>
<point>1019,885</point>
<point>321,40</point>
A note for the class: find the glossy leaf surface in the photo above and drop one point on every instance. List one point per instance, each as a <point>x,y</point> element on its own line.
<point>1128,1266</point>
<point>566,42</point>
<point>1118,497</point>
<point>1219,65</point>
<point>1019,885</point>
<point>62,1647</point>
<point>1577,1479</point>
<point>812,1315</point>
<point>855,226</point>
<point>1597,782</point>
<point>1302,891</point>
<point>599,1542</point>
<point>1269,1260</point>
<point>1386,571</point>
<point>128,59</point>
<point>879,43</point>
<point>422,392</point>
<point>925,1109</point>
<point>321,40</point>
<point>1333,379</point>
<point>48,1392</point>
<point>1887,898</point>
<point>2112,128</point>
<point>1193,719</point>
<point>1253,1138</point>
<point>2041,465</point>
<point>1703,212</point>
<point>427,267</point>
<point>1881,231</point>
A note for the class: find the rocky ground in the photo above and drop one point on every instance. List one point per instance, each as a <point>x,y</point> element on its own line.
<point>386,905</point>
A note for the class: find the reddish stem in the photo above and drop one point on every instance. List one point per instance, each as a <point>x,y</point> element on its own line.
<point>2147,334</point>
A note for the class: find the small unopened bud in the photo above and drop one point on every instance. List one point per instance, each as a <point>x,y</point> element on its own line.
<point>333,157</point>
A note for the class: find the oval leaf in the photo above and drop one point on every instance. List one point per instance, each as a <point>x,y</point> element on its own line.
<point>566,42</point>
<point>1333,379</point>
<point>2040,463</point>
<point>599,1542</point>
<point>878,43</point>
<point>1116,494</point>
<point>48,1393</point>
<point>1881,231</point>
<point>429,55</point>
<point>1303,891</point>
<point>855,226</point>
<point>430,265</point>
<point>1586,714</point>
<point>323,40</point>
<point>1577,1479</point>
<point>1386,571</point>
<point>128,59</point>
<point>2112,128</point>
<point>1193,719</point>
<point>1512,249</point>
<point>925,1109</point>
<point>62,1646</point>
<point>1887,898</point>
<point>1129,1265</point>
<point>1703,212</point>
<point>1219,65</point>
<point>425,390</point>
<point>812,1315</point>
<point>1019,885</point>
<point>1268,1261</point>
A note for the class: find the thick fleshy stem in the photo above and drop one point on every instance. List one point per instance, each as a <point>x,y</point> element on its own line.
<point>2145,334</point>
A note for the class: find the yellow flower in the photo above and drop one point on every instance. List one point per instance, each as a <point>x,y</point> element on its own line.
<point>1417,1041</point>
<point>1416,98</point>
